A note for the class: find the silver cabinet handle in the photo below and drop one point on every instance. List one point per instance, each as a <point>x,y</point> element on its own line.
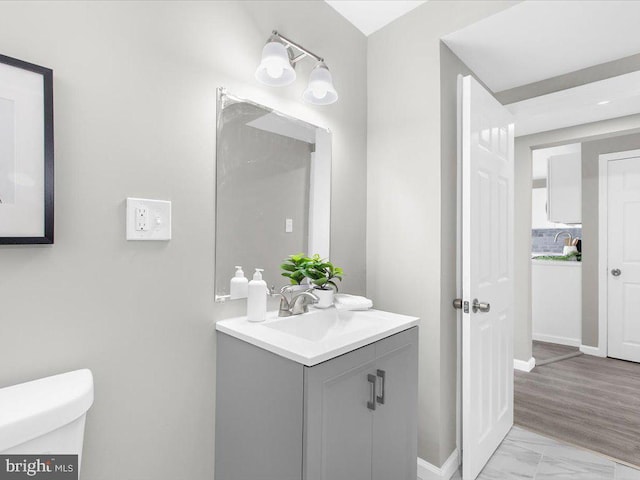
<point>381,374</point>
<point>372,379</point>
<point>483,307</point>
<point>616,272</point>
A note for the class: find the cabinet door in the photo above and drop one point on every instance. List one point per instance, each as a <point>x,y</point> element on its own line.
<point>564,188</point>
<point>395,423</point>
<point>259,417</point>
<point>338,423</point>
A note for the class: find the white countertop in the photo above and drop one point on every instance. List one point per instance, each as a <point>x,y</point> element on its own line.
<point>319,335</point>
<point>556,263</point>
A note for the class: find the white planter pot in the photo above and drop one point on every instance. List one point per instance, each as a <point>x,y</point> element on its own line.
<point>325,297</point>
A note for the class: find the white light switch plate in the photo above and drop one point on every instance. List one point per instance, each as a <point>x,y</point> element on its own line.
<point>148,219</point>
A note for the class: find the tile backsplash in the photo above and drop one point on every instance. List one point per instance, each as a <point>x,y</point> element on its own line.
<point>542,239</point>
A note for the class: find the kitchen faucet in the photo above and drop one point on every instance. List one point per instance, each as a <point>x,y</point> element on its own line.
<point>560,233</point>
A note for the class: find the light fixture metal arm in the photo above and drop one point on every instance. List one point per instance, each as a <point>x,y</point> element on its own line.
<point>293,44</point>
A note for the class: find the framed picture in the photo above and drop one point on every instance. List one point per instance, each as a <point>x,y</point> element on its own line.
<point>26,152</point>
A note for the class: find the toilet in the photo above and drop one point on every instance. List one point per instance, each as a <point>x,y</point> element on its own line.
<point>46,416</point>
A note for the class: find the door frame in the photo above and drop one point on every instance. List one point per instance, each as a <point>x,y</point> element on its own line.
<point>459,270</point>
<point>603,250</point>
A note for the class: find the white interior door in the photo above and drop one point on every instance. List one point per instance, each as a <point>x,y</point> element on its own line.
<point>623,245</point>
<point>487,275</point>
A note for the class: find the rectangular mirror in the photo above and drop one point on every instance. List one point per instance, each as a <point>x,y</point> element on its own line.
<point>273,190</point>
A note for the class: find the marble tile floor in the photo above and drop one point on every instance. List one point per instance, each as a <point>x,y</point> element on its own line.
<point>524,455</point>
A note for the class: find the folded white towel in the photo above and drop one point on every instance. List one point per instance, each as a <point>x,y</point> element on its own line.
<point>343,301</point>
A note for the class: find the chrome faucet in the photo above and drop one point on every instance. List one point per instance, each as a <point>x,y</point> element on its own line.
<point>295,304</point>
<point>560,233</point>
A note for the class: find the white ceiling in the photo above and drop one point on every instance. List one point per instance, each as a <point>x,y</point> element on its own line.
<point>578,105</point>
<point>539,39</point>
<point>369,16</point>
<point>535,40</point>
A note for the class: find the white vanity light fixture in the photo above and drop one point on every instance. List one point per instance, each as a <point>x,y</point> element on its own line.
<point>279,58</point>
<point>320,90</point>
<point>276,67</point>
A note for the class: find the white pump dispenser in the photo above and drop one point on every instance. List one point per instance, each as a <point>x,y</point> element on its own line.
<point>239,286</point>
<point>257,299</point>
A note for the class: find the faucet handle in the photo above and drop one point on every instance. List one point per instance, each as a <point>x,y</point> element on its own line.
<point>286,289</point>
<point>281,293</point>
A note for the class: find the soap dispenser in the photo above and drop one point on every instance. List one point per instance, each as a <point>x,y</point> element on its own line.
<point>239,287</point>
<point>257,299</point>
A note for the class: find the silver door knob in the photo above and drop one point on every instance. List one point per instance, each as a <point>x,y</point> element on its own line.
<point>616,272</point>
<point>483,307</point>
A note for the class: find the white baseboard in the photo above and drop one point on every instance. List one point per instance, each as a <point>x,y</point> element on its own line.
<point>524,366</point>
<point>595,351</point>
<point>426,471</point>
<point>570,342</point>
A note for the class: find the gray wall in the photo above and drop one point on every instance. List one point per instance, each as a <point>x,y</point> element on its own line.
<point>411,196</point>
<point>135,116</point>
<point>589,133</point>
<point>590,225</point>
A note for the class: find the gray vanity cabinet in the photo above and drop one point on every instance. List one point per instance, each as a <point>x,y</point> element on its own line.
<point>284,421</point>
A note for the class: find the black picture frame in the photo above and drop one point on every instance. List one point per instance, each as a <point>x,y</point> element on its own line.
<point>48,154</point>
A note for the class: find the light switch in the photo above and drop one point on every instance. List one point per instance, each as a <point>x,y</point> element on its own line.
<point>148,219</point>
<point>288,225</point>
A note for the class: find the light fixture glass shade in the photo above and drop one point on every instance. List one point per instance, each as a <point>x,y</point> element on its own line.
<point>275,68</point>
<point>320,90</point>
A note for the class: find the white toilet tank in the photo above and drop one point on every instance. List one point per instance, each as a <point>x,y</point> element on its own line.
<point>46,416</point>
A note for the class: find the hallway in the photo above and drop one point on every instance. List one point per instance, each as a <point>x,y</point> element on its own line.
<point>586,401</point>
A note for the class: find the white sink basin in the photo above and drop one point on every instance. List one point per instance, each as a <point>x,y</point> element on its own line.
<point>319,335</point>
<point>321,325</point>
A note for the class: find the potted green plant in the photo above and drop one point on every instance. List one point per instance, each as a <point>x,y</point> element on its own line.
<point>293,268</point>
<point>322,275</point>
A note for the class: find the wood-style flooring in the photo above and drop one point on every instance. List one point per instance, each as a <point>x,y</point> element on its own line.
<point>587,401</point>
<point>543,351</point>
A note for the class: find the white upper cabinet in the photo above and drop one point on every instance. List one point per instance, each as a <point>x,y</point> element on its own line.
<point>564,188</point>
